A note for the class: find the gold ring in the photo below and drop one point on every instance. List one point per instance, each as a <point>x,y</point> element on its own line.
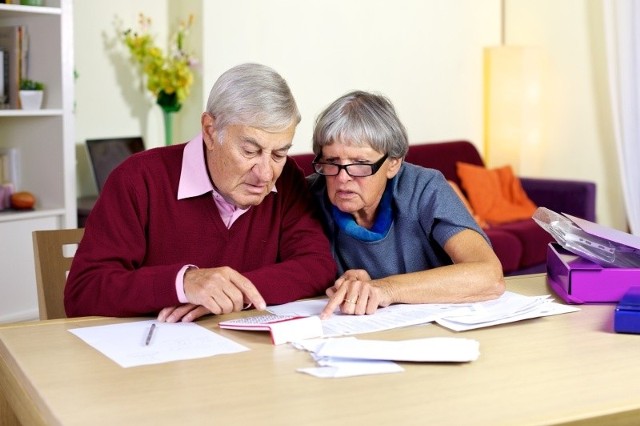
<point>350,301</point>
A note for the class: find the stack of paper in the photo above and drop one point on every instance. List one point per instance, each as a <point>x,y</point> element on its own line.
<point>348,356</point>
<point>509,307</point>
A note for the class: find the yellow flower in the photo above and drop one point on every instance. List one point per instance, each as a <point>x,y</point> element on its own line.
<point>169,77</point>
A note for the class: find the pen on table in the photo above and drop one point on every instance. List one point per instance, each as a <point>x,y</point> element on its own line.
<point>150,334</point>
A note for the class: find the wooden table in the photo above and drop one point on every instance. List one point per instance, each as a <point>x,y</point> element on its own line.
<point>553,370</point>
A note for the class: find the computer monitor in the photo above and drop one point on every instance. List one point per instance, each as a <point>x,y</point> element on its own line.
<point>106,154</point>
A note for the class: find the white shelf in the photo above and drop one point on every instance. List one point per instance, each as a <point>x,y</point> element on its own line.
<point>13,215</point>
<point>30,113</point>
<point>16,10</point>
<point>45,144</point>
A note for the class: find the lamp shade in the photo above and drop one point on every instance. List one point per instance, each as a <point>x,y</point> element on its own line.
<point>513,103</point>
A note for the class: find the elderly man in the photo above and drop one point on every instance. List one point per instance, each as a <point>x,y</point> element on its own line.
<point>211,226</point>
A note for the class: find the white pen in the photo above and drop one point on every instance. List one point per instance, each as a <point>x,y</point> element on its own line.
<point>150,335</point>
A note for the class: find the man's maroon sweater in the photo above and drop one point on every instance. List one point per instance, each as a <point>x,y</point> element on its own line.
<point>139,235</point>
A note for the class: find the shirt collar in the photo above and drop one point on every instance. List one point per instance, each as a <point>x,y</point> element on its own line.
<point>194,179</point>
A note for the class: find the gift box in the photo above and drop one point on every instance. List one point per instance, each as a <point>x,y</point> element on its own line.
<point>577,280</point>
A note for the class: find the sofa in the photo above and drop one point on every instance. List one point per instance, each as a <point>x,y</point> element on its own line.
<point>520,245</point>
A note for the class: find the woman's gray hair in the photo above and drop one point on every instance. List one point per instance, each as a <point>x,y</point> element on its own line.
<point>361,118</point>
<point>252,95</point>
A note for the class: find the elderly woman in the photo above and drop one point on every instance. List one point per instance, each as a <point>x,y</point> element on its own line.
<point>398,232</point>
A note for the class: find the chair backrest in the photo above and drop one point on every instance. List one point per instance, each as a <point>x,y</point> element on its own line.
<point>52,264</point>
<point>106,154</point>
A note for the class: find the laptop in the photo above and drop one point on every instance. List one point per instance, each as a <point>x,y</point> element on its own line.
<point>106,154</point>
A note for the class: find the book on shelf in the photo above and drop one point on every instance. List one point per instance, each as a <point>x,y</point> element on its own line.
<point>9,166</point>
<point>14,42</point>
<point>9,173</point>
<point>4,82</point>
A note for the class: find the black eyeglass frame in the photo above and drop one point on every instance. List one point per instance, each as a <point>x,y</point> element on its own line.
<point>374,166</point>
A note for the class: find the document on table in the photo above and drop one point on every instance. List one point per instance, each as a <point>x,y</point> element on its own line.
<point>126,343</point>
<point>384,319</point>
<point>349,356</point>
<point>328,367</point>
<point>509,307</point>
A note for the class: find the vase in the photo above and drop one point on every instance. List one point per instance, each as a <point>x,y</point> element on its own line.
<point>31,99</point>
<point>170,105</point>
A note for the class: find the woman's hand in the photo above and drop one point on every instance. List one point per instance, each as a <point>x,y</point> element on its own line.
<point>356,294</point>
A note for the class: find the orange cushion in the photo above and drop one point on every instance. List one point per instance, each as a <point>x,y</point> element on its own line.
<point>496,195</point>
<point>457,190</point>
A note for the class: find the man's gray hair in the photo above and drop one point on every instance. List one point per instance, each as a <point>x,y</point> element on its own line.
<point>252,95</point>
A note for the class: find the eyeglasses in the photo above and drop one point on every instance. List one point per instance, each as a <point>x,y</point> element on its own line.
<point>353,169</point>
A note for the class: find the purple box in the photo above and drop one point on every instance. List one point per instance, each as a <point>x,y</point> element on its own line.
<point>577,280</point>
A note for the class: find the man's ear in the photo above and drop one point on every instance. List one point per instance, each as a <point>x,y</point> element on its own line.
<point>209,133</point>
<point>394,167</point>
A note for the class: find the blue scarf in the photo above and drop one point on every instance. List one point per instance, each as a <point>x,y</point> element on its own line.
<point>381,226</point>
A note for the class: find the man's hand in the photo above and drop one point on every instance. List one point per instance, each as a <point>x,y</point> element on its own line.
<point>213,290</point>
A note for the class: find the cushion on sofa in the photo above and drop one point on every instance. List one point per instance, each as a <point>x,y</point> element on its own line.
<point>496,195</point>
<point>480,221</point>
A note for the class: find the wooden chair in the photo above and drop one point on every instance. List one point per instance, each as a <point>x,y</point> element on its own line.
<point>51,268</point>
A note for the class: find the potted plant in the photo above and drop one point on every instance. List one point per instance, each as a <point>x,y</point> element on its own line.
<point>31,92</point>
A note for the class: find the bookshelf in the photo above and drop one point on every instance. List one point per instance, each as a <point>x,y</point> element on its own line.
<point>46,150</point>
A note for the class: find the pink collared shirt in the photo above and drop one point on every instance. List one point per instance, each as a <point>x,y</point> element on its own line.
<point>194,181</point>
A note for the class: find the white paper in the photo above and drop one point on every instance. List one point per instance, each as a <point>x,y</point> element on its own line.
<point>542,310</point>
<point>341,367</point>
<point>350,368</point>
<point>348,356</point>
<point>125,343</point>
<point>297,329</point>
<point>394,316</point>
<point>509,307</point>
<point>430,349</point>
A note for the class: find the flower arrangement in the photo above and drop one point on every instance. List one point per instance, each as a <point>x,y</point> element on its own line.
<point>168,77</point>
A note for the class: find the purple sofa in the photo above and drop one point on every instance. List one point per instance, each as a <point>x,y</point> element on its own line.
<point>521,245</point>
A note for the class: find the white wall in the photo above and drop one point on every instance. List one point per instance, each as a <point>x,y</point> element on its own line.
<point>110,101</point>
<point>425,55</point>
<point>579,140</point>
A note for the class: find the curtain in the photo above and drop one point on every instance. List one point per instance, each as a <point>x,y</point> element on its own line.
<point>622,35</point>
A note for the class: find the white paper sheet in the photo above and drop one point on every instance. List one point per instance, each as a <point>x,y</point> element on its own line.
<point>350,368</point>
<point>394,316</point>
<point>430,349</point>
<point>510,307</point>
<point>125,343</point>
<point>464,323</point>
<point>349,356</point>
<point>341,367</point>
